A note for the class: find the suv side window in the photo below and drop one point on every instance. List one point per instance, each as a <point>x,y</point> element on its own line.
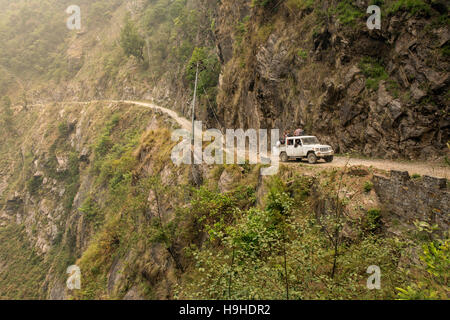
<point>290,142</point>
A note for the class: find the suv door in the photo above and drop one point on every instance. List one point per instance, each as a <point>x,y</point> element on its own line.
<point>290,147</point>
<point>298,147</point>
<point>294,147</point>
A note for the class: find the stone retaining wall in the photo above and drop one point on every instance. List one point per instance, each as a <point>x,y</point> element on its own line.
<point>425,199</point>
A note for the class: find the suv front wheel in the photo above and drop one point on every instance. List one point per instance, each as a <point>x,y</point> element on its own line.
<point>284,157</point>
<point>312,158</point>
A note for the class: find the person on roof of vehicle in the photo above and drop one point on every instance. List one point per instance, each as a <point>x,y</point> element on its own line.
<point>299,132</point>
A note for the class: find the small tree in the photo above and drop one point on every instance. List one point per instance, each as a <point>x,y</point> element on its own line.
<point>209,69</point>
<point>131,41</point>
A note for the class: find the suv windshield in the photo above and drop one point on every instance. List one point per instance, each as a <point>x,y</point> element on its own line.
<point>310,141</point>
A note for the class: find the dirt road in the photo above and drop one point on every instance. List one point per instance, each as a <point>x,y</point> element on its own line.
<point>434,169</point>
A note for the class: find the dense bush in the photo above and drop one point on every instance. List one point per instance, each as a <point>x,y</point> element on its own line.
<point>131,41</point>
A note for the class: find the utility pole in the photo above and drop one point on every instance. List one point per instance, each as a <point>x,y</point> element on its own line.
<point>193,106</point>
<point>195,177</point>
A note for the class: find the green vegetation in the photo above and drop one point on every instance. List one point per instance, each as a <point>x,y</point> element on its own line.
<point>34,184</point>
<point>300,4</point>
<point>130,40</point>
<point>368,186</point>
<point>412,6</point>
<point>432,278</point>
<point>302,53</point>
<point>373,219</point>
<point>279,251</point>
<point>19,258</point>
<point>347,13</point>
<point>209,70</point>
<point>72,180</point>
<point>92,211</point>
<point>374,72</point>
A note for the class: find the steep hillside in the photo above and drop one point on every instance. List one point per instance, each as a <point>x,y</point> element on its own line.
<point>93,184</point>
<point>54,160</point>
<point>272,64</point>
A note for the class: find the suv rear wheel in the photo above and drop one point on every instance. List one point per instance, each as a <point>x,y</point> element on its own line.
<point>312,159</point>
<point>284,157</point>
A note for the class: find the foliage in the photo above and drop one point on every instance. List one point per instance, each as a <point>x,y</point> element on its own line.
<point>373,71</point>
<point>72,179</point>
<point>412,6</point>
<point>373,219</point>
<point>131,41</point>
<point>209,69</point>
<point>302,53</point>
<point>279,252</point>
<point>347,13</point>
<point>34,184</point>
<point>368,186</point>
<point>92,211</point>
<point>432,282</point>
<point>300,4</point>
<point>22,259</point>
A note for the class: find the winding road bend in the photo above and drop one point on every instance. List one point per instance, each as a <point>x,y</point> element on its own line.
<point>435,169</point>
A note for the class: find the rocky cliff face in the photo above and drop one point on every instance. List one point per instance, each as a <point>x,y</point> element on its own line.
<point>381,93</point>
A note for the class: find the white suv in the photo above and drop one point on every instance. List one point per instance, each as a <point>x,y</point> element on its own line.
<point>304,147</point>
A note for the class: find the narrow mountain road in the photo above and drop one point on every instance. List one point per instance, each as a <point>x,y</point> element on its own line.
<point>434,169</point>
<point>413,167</point>
<point>183,122</point>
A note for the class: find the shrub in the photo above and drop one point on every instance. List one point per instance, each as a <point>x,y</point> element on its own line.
<point>446,50</point>
<point>34,184</point>
<point>63,129</point>
<point>433,281</point>
<point>7,113</point>
<point>302,53</point>
<point>72,180</point>
<point>373,71</point>
<point>91,211</point>
<point>347,12</point>
<point>373,219</point>
<point>368,186</point>
<point>131,42</point>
